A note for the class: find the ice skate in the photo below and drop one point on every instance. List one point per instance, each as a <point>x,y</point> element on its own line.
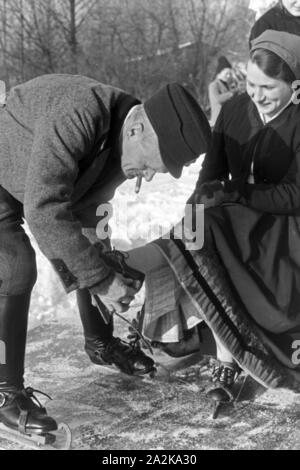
<point>128,358</point>
<point>224,376</point>
<point>25,421</point>
<point>103,348</point>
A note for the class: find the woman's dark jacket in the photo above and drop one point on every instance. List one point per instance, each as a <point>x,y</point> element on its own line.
<point>258,235</point>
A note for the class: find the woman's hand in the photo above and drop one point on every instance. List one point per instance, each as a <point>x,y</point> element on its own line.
<point>211,194</point>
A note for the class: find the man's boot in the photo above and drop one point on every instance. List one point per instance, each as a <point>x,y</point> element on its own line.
<point>103,348</point>
<point>19,408</point>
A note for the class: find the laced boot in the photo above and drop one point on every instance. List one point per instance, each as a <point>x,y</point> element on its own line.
<point>189,344</point>
<point>21,411</point>
<point>103,348</point>
<point>130,359</point>
<point>224,375</point>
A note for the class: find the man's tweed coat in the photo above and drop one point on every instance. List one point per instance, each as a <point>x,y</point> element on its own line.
<point>59,156</point>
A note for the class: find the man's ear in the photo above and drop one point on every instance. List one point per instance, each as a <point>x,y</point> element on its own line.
<point>135,130</point>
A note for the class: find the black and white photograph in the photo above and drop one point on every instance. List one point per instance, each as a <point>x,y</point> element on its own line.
<point>149,227</point>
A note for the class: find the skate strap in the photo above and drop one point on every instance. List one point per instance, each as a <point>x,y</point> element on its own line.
<point>23,421</point>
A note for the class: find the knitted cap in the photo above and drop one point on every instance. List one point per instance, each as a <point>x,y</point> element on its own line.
<point>181,126</point>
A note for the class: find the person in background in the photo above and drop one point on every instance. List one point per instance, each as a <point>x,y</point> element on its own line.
<point>221,89</point>
<point>284,16</point>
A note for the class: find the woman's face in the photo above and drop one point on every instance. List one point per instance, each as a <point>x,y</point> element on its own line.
<point>293,6</point>
<point>269,95</point>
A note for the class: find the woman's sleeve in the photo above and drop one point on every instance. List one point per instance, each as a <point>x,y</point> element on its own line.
<point>282,198</point>
<point>215,165</point>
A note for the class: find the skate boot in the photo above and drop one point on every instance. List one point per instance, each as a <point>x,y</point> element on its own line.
<point>224,376</point>
<point>189,344</point>
<point>130,359</point>
<point>103,348</point>
<point>21,411</point>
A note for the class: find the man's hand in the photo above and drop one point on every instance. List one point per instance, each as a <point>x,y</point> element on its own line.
<point>118,293</point>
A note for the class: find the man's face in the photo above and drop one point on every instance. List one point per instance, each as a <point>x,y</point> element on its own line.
<point>293,6</point>
<point>225,75</point>
<point>269,95</point>
<point>140,152</point>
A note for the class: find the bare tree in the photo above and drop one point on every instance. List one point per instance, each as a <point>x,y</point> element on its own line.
<point>138,45</point>
<point>42,36</point>
<point>3,42</point>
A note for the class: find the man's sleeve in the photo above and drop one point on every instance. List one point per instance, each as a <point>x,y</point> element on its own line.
<point>61,139</point>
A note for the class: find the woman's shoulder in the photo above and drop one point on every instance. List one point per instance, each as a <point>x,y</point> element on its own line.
<point>287,125</point>
<point>235,113</point>
<point>292,116</point>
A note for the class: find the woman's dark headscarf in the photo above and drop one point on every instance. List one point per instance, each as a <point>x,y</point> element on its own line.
<point>285,45</point>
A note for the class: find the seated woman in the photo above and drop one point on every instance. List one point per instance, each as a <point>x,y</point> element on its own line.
<point>244,282</point>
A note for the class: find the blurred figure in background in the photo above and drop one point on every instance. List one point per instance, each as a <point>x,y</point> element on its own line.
<point>240,74</point>
<point>284,16</point>
<point>222,88</point>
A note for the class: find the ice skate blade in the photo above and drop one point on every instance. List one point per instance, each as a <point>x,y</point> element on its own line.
<point>144,373</point>
<point>61,439</point>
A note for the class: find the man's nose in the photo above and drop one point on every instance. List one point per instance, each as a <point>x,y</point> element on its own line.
<point>148,174</point>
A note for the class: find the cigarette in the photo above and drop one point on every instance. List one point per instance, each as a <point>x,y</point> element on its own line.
<point>138,184</point>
